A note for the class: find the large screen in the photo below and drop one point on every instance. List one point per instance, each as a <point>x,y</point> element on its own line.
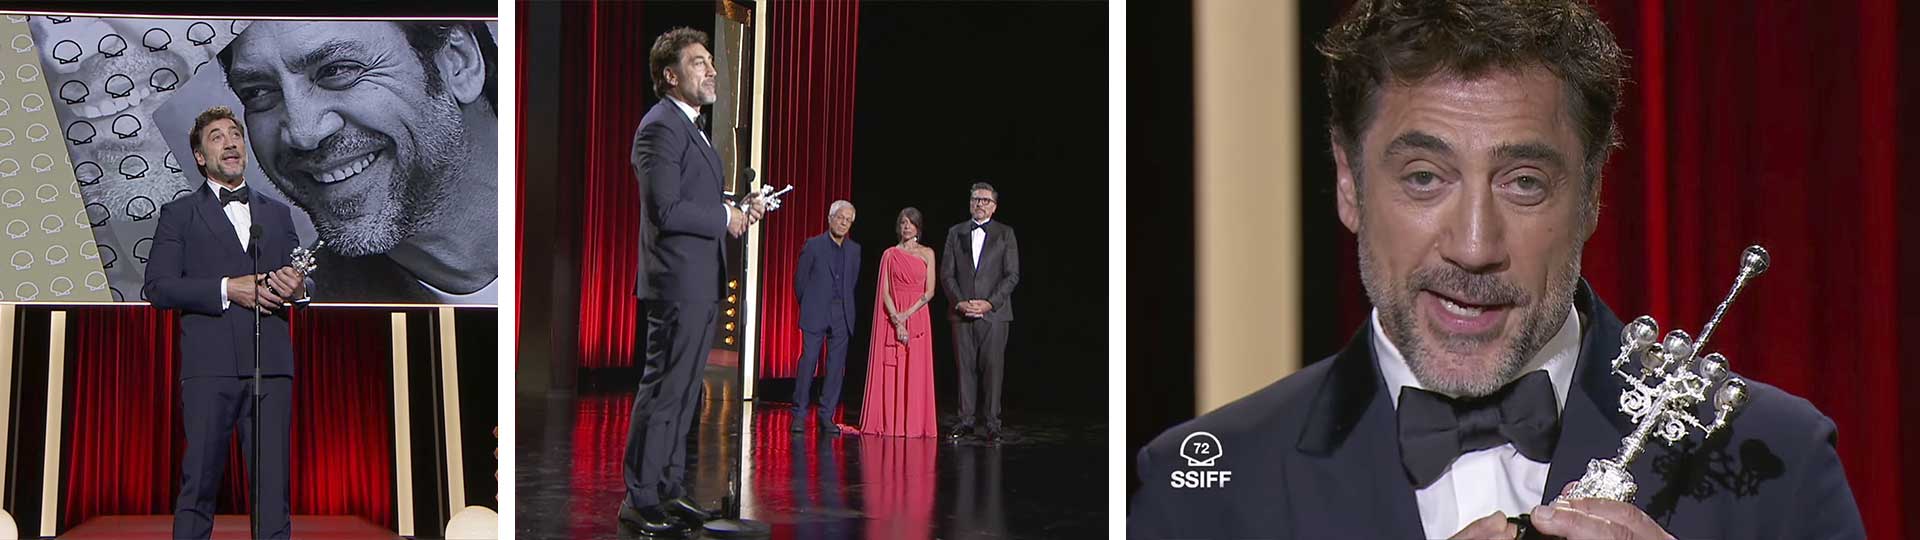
<point>379,134</point>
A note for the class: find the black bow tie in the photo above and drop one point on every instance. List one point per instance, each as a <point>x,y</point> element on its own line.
<point>1435,429</point>
<point>978,226</point>
<point>235,195</point>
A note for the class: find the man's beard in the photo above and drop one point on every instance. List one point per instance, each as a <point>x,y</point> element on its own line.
<point>1541,319</point>
<point>417,192</point>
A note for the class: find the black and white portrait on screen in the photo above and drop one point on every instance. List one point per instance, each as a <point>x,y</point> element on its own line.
<point>383,133</point>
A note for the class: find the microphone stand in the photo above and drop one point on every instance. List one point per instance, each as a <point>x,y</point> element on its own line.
<point>727,523</point>
<point>253,476</point>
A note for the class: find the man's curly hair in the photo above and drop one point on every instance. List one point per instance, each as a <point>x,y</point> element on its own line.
<point>1380,42</point>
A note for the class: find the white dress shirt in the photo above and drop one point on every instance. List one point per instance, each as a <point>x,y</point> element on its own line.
<point>979,236</point>
<point>241,216</point>
<point>1498,478</point>
<point>693,115</point>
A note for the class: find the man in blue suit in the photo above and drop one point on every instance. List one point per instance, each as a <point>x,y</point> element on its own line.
<point>823,284</point>
<point>202,266</point>
<point>681,278</point>
<point>1468,141</point>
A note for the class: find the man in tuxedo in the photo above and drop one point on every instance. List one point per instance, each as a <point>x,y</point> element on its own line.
<point>979,267</point>
<point>1468,139</point>
<point>823,284</point>
<point>206,248</point>
<point>685,219</point>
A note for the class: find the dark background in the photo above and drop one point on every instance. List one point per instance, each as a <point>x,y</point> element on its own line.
<point>1013,94</point>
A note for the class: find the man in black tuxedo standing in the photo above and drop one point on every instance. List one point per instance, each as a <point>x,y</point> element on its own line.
<point>1468,143</point>
<point>979,267</point>
<point>685,219</point>
<point>202,266</point>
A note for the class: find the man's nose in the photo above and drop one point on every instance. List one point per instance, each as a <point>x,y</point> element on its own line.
<point>310,120</point>
<point>1473,235</point>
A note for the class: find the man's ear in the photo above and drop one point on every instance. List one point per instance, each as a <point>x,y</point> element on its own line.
<point>1346,193</point>
<point>463,67</point>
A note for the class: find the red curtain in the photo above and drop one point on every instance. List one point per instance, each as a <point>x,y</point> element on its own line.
<point>606,93</point>
<point>1770,123</point>
<point>811,58</point>
<point>123,438</point>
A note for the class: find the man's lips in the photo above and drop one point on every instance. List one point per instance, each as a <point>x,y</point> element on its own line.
<point>339,169</point>
<point>1458,316</point>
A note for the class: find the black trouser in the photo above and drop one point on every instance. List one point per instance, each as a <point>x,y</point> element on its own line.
<point>982,346</point>
<point>837,336</point>
<point>211,407</point>
<point>679,335</point>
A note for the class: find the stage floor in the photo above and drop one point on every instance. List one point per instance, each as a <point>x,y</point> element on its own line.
<point>1047,481</point>
<point>226,528</point>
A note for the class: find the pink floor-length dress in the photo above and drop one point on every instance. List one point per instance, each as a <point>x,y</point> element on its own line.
<point>899,399</point>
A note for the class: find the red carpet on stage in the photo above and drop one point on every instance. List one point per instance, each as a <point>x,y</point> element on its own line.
<point>226,527</point>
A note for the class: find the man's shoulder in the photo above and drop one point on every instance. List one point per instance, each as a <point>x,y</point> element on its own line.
<point>1781,418</point>
<point>657,117</point>
<point>179,204</point>
<point>1265,422</point>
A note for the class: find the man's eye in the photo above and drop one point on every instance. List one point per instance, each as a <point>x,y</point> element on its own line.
<point>338,75</point>
<point>1528,189</point>
<point>258,98</point>
<point>1422,179</point>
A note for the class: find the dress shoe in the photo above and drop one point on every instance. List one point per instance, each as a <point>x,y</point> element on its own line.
<point>687,510</point>
<point>828,427</point>
<point>992,436</point>
<point>799,423</point>
<point>960,431</point>
<point>652,522</point>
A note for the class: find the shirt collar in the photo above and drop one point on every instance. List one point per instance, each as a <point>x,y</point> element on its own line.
<point>983,222</point>
<point>216,187</point>
<point>693,113</point>
<point>1557,357</point>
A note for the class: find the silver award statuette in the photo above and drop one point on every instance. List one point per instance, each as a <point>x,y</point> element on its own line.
<point>302,258</point>
<point>1660,398</point>
<point>766,193</point>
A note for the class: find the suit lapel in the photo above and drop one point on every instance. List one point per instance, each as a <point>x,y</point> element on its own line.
<point>1352,424</point>
<point>215,219</point>
<point>1591,425</point>
<point>986,244</point>
<point>966,266</point>
<point>699,139</point>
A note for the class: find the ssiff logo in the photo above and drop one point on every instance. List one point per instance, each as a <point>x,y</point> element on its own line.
<point>1201,449</point>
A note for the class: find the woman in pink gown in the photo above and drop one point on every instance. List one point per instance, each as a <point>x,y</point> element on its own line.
<point>899,400</point>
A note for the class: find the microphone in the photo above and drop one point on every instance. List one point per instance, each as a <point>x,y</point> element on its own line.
<point>253,241</point>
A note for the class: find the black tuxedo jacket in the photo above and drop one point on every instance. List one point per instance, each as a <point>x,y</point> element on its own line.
<point>993,281</point>
<point>683,215</point>
<point>194,245</point>
<point>1315,455</point>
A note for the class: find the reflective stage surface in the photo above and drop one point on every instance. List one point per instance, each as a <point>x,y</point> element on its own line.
<point>1047,480</point>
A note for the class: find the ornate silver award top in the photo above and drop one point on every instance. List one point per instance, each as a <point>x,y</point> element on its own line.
<point>1661,396</point>
<point>302,258</point>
